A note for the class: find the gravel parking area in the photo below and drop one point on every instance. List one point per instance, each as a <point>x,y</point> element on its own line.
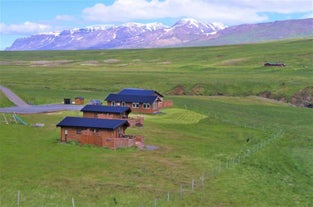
<point>32,109</point>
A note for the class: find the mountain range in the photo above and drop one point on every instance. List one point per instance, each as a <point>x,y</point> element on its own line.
<point>186,32</point>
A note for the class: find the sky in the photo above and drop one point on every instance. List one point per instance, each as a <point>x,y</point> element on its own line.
<point>23,18</point>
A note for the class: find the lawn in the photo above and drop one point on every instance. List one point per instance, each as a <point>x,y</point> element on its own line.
<point>198,137</point>
<point>235,149</point>
<point>4,102</point>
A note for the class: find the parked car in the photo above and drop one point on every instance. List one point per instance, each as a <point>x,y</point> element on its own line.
<point>95,102</point>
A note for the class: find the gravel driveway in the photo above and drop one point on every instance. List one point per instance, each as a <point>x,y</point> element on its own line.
<point>23,108</point>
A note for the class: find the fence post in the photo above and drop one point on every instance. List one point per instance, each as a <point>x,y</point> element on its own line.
<point>168,196</point>
<point>181,190</point>
<point>202,179</point>
<point>220,167</point>
<point>18,198</point>
<point>192,184</point>
<point>73,203</point>
<point>212,172</point>
<point>155,202</point>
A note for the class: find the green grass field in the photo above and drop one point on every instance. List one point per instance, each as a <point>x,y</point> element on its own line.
<point>229,70</point>
<point>232,150</point>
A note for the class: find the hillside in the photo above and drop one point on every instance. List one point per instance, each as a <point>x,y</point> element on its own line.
<point>221,144</point>
<point>230,70</point>
<point>252,33</point>
<point>235,151</point>
<point>186,32</point>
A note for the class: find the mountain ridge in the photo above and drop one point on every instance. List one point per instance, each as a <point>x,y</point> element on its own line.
<point>185,32</point>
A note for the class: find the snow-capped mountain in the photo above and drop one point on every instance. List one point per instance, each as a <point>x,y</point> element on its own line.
<point>186,32</point>
<point>129,35</point>
<point>192,25</point>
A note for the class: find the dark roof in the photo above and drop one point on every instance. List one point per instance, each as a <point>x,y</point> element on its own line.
<point>110,124</point>
<point>106,109</point>
<point>139,92</point>
<point>131,98</point>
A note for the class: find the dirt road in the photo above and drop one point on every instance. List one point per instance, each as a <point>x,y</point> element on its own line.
<point>23,108</point>
<point>13,97</point>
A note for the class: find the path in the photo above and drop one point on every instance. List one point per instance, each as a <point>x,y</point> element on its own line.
<point>13,97</point>
<point>23,108</point>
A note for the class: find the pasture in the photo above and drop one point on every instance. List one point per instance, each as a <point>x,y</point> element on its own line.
<point>220,145</point>
<point>229,70</point>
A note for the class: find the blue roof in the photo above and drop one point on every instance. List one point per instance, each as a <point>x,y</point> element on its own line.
<point>110,124</point>
<point>106,109</point>
<point>131,98</point>
<point>139,92</point>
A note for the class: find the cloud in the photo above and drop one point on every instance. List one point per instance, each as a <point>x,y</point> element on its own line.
<point>281,6</point>
<point>230,11</point>
<point>24,29</point>
<point>64,18</point>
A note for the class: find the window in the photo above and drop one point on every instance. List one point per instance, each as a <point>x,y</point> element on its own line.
<point>78,131</point>
<point>96,132</point>
<point>123,104</point>
<point>146,105</point>
<point>113,103</point>
<point>135,105</point>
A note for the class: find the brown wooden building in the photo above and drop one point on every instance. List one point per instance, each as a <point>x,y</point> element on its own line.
<point>138,100</point>
<point>79,100</point>
<point>101,132</point>
<point>105,112</point>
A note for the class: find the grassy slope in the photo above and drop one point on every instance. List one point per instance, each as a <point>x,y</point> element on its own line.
<point>281,171</point>
<point>4,102</point>
<point>230,70</point>
<point>199,135</point>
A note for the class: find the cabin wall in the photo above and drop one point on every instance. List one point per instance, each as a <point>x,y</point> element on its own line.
<point>166,104</point>
<point>105,138</point>
<point>104,115</point>
<point>68,134</point>
<point>140,109</point>
<point>99,137</point>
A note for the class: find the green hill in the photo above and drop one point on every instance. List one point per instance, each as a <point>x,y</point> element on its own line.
<point>230,70</point>
<point>233,149</point>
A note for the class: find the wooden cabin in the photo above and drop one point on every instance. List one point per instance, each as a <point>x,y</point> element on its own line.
<point>138,100</point>
<point>101,132</point>
<point>112,112</point>
<point>105,112</point>
<point>79,100</point>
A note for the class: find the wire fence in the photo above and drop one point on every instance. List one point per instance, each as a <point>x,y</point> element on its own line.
<point>164,197</point>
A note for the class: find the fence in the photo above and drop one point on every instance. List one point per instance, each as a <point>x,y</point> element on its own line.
<point>166,197</point>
